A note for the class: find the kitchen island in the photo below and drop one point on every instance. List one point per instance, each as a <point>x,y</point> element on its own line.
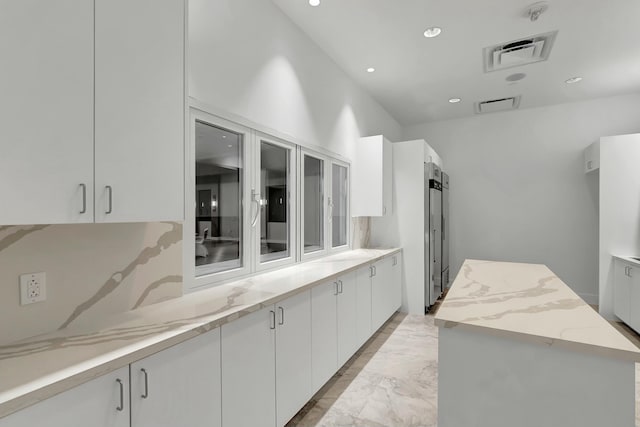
<point>517,347</point>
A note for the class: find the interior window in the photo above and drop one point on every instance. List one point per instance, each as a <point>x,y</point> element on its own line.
<point>218,224</point>
<point>339,191</point>
<point>313,233</point>
<point>274,202</point>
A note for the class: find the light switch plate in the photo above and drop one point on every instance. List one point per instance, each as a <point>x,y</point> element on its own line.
<point>33,288</point>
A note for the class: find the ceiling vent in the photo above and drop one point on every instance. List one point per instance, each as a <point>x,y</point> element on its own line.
<point>495,105</point>
<point>518,52</point>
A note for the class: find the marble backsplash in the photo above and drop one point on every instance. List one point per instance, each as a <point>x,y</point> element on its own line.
<point>93,271</point>
<point>360,232</point>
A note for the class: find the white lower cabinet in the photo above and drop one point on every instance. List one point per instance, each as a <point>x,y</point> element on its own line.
<point>382,292</point>
<point>293,356</point>
<point>102,402</point>
<point>347,318</point>
<point>324,333</point>
<point>179,386</point>
<point>622,291</point>
<point>396,280</point>
<point>266,364</point>
<point>363,305</point>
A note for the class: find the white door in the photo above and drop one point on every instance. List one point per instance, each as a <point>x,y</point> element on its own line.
<point>381,293</point>
<point>347,318</point>
<point>102,402</point>
<point>396,281</point>
<point>324,340</point>
<point>363,309</point>
<point>46,105</point>
<point>293,355</point>
<point>622,291</point>
<point>248,370</point>
<point>179,386</point>
<point>139,110</point>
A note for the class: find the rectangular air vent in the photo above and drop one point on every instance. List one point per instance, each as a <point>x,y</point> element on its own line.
<point>495,105</point>
<point>518,52</point>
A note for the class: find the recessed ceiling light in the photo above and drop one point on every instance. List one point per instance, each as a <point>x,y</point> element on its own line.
<point>370,70</point>
<point>224,136</point>
<point>573,80</point>
<point>314,2</point>
<point>455,100</point>
<point>229,145</point>
<point>432,32</point>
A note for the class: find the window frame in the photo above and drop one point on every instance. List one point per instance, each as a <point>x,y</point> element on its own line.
<point>292,198</point>
<point>192,282</point>
<point>347,245</point>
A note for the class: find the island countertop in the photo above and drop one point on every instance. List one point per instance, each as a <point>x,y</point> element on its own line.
<point>528,302</point>
<point>35,369</point>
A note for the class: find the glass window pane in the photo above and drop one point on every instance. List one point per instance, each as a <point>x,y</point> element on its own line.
<point>339,201</point>
<point>313,232</point>
<point>218,199</point>
<point>274,191</point>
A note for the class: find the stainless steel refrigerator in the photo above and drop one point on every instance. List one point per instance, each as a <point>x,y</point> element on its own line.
<point>445,231</point>
<point>433,234</point>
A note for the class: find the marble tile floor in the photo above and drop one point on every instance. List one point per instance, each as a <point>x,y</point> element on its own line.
<point>392,380</point>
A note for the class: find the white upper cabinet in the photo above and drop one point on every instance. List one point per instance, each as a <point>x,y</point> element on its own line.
<point>139,129</point>
<point>92,93</point>
<point>372,175</point>
<point>46,105</point>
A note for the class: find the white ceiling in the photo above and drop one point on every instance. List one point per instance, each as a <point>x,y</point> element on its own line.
<point>415,76</point>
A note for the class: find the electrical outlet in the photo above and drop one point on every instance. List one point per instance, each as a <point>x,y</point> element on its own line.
<point>33,288</point>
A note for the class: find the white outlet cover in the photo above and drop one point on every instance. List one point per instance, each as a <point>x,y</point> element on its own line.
<point>33,288</point>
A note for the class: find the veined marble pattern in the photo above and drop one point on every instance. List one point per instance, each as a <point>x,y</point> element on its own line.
<point>93,271</point>
<point>528,302</point>
<point>36,368</point>
<point>391,381</point>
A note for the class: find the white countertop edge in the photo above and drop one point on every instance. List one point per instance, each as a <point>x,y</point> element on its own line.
<point>608,352</point>
<point>627,259</point>
<point>25,395</point>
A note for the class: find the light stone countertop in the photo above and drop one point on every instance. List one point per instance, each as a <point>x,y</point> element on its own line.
<point>528,302</point>
<point>628,259</point>
<point>35,369</point>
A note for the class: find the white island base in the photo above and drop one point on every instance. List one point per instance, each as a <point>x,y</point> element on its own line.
<point>518,348</point>
<point>492,381</point>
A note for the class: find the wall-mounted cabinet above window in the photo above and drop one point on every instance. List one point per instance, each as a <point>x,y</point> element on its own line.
<point>372,177</point>
<point>256,202</point>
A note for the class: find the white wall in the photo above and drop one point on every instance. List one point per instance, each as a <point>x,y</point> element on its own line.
<point>518,191</point>
<point>619,208</point>
<point>248,59</point>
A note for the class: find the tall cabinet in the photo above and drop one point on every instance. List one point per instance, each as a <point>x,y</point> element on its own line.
<point>93,110</point>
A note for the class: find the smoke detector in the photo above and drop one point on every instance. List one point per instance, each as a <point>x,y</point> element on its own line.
<point>496,105</point>
<point>518,52</point>
<point>534,10</point>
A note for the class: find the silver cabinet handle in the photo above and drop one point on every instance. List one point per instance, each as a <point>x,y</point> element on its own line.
<point>110,191</point>
<point>370,271</point>
<point>630,270</point>
<point>375,271</point>
<point>341,286</point>
<point>336,292</point>
<point>146,384</point>
<point>84,198</point>
<point>384,210</point>
<point>272,314</point>
<point>121,406</point>
<point>626,271</point>
<point>281,322</point>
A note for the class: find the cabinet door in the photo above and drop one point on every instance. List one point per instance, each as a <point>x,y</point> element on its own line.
<point>139,110</point>
<point>381,293</point>
<point>387,178</point>
<point>634,300</point>
<point>363,308</point>
<point>102,402</point>
<point>293,356</point>
<point>622,291</point>
<point>324,341</point>
<point>372,177</point>
<point>248,370</point>
<point>347,318</point>
<point>396,281</point>
<point>178,386</point>
<point>46,105</point>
